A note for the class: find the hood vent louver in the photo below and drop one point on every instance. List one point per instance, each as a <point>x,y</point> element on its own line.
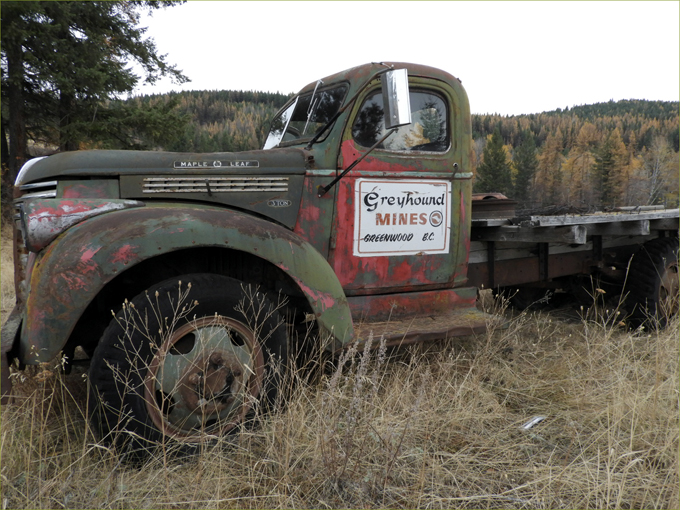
<point>213,184</point>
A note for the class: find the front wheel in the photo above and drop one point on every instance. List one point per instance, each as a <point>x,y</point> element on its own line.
<point>186,361</point>
<point>652,283</point>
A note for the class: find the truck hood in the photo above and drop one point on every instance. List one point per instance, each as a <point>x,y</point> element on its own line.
<point>111,163</point>
<point>268,183</point>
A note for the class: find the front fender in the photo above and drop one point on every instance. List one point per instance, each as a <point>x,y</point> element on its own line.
<point>70,272</point>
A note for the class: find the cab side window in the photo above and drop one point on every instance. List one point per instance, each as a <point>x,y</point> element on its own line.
<point>428,130</point>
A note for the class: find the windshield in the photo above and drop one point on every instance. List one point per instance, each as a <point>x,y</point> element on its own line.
<point>305,116</point>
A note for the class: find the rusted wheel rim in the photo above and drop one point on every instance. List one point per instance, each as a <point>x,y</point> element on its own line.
<point>204,378</point>
<point>668,290</point>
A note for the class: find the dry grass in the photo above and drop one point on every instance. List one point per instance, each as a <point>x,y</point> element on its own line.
<point>436,426</point>
<point>7,268</point>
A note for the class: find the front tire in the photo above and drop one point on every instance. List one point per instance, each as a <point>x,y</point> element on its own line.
<point>186,361</point>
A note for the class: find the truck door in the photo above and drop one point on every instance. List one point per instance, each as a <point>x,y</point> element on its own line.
<point>397,217</point>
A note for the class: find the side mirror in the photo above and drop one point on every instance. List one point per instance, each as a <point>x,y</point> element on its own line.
<point>396,98</point>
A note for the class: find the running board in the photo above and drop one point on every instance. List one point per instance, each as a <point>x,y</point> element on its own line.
<point>426,328</point>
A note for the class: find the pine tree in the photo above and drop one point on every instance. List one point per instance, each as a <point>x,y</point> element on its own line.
<point>493,174</point>
<point>434,126</point>
<point>525,164</point>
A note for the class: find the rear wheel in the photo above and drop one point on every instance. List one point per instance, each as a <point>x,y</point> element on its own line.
<point>186,361</point>
<point>652,284</point>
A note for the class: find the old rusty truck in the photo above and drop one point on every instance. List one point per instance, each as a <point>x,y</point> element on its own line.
<point>184,279</point>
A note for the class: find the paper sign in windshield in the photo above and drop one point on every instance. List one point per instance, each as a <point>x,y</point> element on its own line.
<point>401,217</point>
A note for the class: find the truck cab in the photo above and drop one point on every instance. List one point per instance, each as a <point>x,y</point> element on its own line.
<point>398,223</point>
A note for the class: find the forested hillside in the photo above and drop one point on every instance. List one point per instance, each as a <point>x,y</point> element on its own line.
<point>606,154</point>
<point>601,155</point>
<point>220,121</point>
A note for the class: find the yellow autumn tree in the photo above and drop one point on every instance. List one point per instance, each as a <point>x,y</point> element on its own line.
<point>549,181</point>
<point>579,165</point>
<point>611,170</point>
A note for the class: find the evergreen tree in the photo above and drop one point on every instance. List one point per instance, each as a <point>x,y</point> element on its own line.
<point>63,63</point>
<point>525,164</point>
<point>434,126</point>
<point>493,174</point>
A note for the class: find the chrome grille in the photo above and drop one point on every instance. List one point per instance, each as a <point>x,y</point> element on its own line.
<point>46,189</point>
<point>213,184</point>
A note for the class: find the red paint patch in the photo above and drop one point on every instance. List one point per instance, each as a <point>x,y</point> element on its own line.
<point>86,265</point>
<point>124,255</point>
<point>74,281</point>
<point>350,154</point>
<point>323,299</point>
<point>87,255</point>
<point>403,271</point>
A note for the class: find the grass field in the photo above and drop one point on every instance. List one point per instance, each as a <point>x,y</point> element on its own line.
<point>431,426</point>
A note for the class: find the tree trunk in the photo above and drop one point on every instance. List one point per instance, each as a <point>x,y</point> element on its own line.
<point>7,180</point>
<point>15,95</point>
<point>66,106</point>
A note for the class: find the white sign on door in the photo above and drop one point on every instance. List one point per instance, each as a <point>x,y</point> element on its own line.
<point>401,217</point>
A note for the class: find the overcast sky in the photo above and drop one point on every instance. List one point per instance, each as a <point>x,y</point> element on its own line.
<point>512,57</point>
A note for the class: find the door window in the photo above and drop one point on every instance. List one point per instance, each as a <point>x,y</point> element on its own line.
<point>428,130</point>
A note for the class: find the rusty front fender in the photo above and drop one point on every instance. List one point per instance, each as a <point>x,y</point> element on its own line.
<point>74,268</point>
